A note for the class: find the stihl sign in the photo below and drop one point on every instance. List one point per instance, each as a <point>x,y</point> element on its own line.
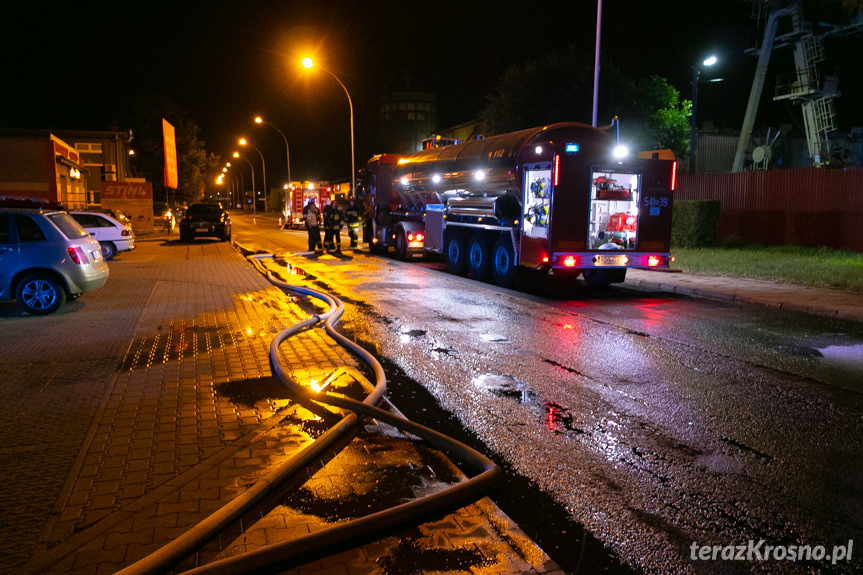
<point>127,191</point>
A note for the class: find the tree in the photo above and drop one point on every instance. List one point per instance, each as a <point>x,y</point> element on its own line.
<point>192,157</point>
<point>560,88</point>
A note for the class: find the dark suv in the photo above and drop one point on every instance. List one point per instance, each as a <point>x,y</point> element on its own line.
<point>205,220</point>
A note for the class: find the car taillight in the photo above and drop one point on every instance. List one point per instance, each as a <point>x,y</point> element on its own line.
<point>126,233</point>
<point>77,255</point>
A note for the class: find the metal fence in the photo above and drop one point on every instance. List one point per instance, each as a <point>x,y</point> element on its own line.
<point>804,207</point>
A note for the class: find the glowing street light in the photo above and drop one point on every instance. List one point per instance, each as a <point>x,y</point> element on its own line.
<point>254,199</point>
<point>244,142</point>
<point>693,137</point>
<point>308,63</point>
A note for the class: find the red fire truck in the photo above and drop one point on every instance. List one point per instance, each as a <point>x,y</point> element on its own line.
<point>298,197</point>
<point>551,199</point>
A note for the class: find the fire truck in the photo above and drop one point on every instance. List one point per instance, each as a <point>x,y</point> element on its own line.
<point>298,197</point>
<point>552,199</point>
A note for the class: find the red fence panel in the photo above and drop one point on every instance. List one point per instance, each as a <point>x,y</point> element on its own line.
<point>806,207</point>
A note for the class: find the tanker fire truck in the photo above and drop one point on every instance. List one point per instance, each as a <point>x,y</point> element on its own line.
<point>550,199</point>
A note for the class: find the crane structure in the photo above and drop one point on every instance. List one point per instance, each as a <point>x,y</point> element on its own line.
<point>805,86</point>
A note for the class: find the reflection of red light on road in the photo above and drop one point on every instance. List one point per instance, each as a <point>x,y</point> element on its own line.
<point>550,419</point>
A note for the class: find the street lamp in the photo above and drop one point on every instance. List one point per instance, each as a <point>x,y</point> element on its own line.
<point>241,183</point>
<point>254,199</point>
<point>693,137</point>
<point>260,120</point>
<point>243,142</point>
<point>308,63</point>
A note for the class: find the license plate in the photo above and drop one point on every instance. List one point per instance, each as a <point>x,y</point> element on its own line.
<point>611,260</point>
<point>202,229</point>
<point>415,244</point>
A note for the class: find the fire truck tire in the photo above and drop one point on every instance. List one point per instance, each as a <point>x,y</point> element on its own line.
<point>503,262</point>
<point>401,246</point>
<point>604,278</point>
<point>479,256</point>
<point>454,252</point>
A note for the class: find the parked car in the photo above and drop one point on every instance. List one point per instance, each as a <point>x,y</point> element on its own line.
<point>113,235</point>
<point>46,257</point>
<point>205,220</point>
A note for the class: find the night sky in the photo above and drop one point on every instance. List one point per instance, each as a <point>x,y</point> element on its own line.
<point>72,65</point>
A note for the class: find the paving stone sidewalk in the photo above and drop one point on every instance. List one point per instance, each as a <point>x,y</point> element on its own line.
<point>165,409</point>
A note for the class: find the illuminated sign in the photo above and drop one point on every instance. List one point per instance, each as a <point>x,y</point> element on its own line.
<point>571,149</point>
<point>170,144</point>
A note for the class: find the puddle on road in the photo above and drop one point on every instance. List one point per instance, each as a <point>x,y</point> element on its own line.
<point>410,557</point>
<point>251,392</point>
<point>493,338</point>
<point>505,386</point>
<point>290,269</point>
<point>559,420</point>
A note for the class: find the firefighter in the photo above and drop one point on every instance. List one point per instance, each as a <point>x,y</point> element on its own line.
<point>352,218</point>
<point>312,217</point>
<point>332,227</point>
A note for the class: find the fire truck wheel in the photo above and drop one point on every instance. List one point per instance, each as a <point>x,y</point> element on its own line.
<point>454,251</point>
<point>503,262</point>
<point>603,278</point>
<point>478,256</point>
<point>401,246</point>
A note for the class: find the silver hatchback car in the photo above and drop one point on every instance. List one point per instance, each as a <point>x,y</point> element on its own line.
<point>45,258</point>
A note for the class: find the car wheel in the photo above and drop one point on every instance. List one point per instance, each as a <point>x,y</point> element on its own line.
<point>109,250</point>
<point>503,262</point>
<point>478,256</point>
<point>40,294</point>
<point>455,253</point>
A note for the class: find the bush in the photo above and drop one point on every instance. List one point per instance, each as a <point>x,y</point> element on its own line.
<point>694,223</point>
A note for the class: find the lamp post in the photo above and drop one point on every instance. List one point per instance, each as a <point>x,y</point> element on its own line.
<point>244,142</point>
<point>693,137</point>
<point>259,120</point>
<point>234,183</point>
<point>242,184</point>
<point>308,63</point>
<point>254,199</point>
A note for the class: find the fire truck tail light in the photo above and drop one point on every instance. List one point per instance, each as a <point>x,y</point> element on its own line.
<point>545,260</point>
<point>673,175</point>
<point>570,261</point>
<point>556,170</point>
<point>420,237</point>
<point>653,261</point>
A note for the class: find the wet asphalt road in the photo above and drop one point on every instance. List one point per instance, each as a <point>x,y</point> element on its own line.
<point>656,422</point>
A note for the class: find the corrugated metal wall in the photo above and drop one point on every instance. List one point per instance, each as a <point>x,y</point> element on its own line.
<point>805,207</point>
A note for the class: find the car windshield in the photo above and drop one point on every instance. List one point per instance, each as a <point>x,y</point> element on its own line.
<point>70,228</point>
<point>204,210</point>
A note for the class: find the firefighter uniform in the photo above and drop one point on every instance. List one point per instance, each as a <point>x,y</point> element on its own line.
<point>352,218</point>
<point>312,217</point>
<point>332,227</point>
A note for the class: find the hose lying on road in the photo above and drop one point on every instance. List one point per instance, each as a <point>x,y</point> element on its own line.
<point>276,557</point>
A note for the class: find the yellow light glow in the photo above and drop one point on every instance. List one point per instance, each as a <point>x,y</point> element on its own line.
<point>308,63</point>
<point>242,141</point>
<point>258,120</point>
<point>236,154</point>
